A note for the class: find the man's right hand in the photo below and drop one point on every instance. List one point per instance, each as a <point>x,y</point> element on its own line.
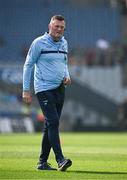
<point>27,98</point>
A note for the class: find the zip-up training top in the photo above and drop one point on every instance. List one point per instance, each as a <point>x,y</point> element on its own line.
<point>49,59</point>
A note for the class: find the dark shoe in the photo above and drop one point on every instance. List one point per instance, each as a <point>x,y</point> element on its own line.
<point>64,164</point>
<point>45,166</point>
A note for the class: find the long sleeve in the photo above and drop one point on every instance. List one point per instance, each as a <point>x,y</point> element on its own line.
<point>31,59</point>
<point>66,65</point>
<point>49,60</point>
<point>67,72</point>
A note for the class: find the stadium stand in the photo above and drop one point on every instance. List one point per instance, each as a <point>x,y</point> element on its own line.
<point>97,71</point>
<point>22,21</point>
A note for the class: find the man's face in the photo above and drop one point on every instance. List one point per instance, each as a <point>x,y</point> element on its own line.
<point>56,29</point>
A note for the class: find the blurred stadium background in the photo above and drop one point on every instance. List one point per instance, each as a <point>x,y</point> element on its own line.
<point>97,36</point>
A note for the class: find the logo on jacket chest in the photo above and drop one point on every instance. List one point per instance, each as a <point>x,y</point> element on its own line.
<point>63,48</point>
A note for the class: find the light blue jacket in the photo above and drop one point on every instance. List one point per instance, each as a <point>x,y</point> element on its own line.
<point>49,59</point>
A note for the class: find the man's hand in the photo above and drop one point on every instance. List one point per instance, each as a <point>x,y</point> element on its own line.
<point>27,98</point>
<point>67,81</point>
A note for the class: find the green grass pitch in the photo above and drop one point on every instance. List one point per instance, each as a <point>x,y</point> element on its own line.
<point>94,156</point>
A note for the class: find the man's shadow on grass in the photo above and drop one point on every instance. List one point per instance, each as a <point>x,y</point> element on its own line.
<point>95,172</point>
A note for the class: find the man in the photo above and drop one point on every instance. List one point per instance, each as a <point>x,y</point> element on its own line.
<point>48,54</point>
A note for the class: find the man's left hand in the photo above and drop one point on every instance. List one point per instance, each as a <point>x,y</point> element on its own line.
<point>67,81</point>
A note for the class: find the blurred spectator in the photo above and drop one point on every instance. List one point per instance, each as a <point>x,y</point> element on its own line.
<point>40,115</point>
<point>123,5</point>
<point>102,44</point>
<point>90,57</point>
<point>114,54</point>
<point>103,54</point>
<point>102,47</point>
<point>114,3</point>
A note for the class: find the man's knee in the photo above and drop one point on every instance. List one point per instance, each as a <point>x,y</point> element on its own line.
<point>53,123</point>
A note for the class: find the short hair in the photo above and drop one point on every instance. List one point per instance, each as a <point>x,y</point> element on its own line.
<point>58,17</point>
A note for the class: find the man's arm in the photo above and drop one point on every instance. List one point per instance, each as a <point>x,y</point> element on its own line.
<point>31,59</point>
<point>67,79</point>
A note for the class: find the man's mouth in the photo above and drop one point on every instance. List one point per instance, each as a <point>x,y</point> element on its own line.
<point>58,33</point>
